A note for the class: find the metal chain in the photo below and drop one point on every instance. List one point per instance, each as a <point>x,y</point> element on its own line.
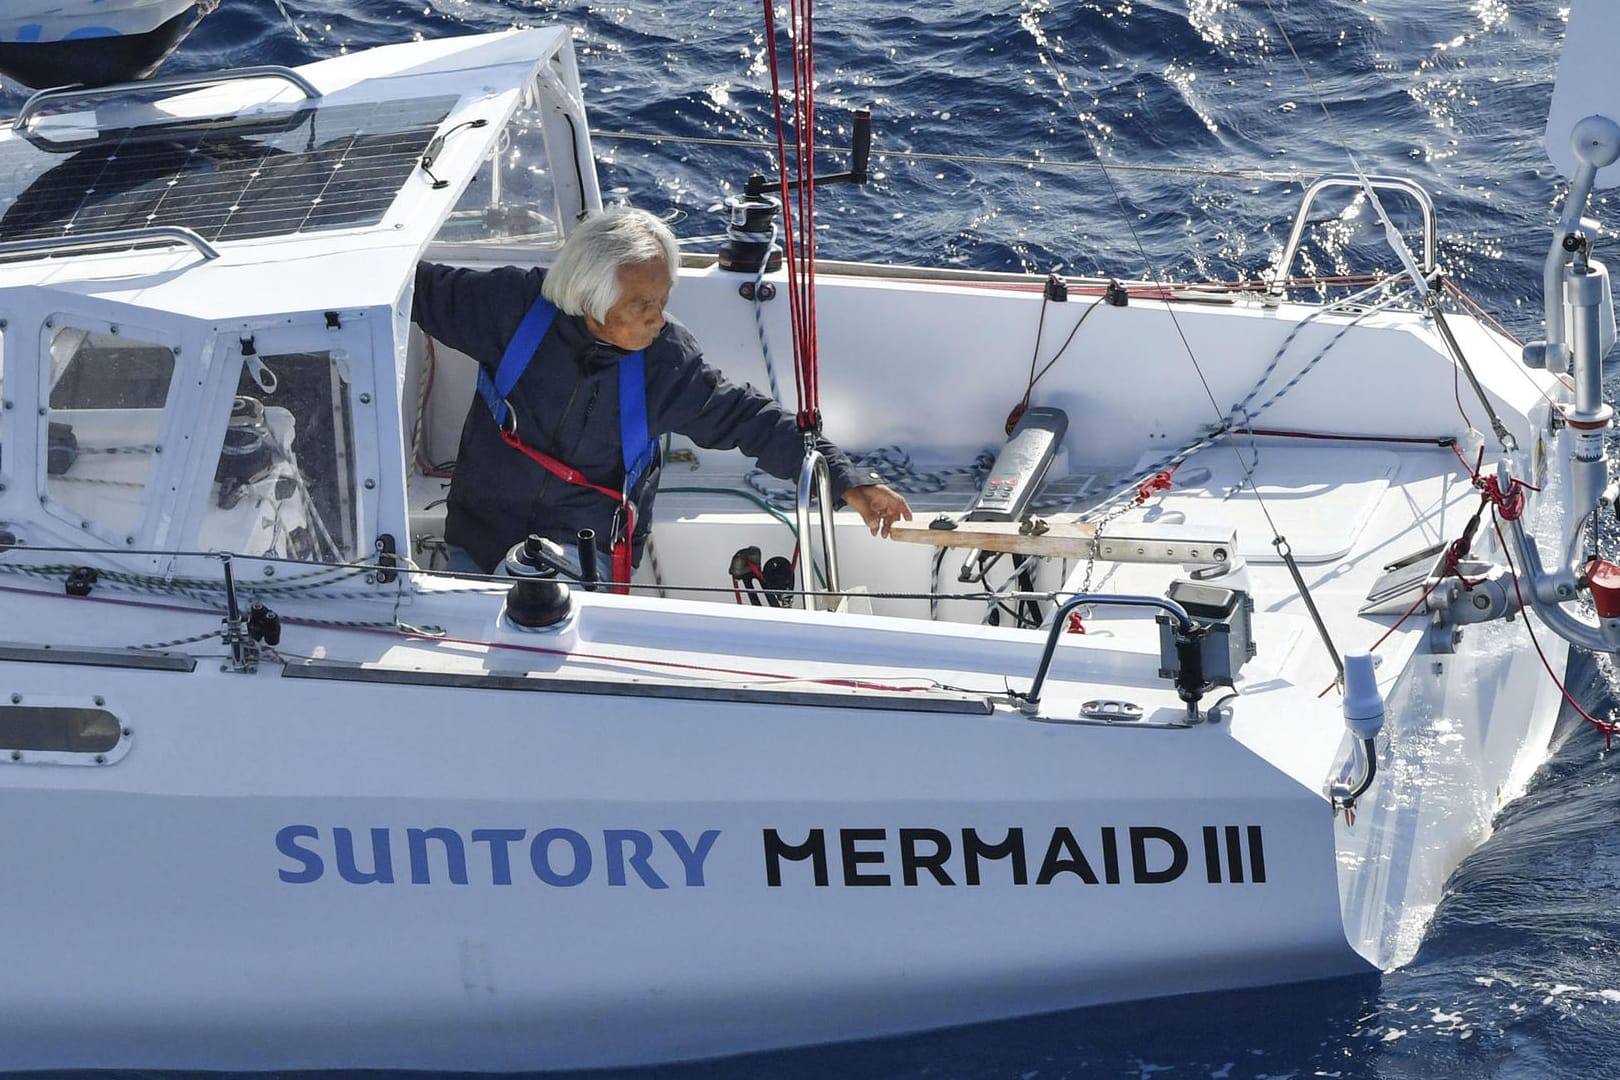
<point>1096,541</point>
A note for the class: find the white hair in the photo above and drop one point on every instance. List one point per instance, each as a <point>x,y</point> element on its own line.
<point>585,278</point>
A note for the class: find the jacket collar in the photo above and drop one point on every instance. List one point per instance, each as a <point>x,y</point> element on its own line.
<point>590,354</point>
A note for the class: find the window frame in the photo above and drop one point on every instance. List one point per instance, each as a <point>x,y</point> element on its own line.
<point>159,474</point>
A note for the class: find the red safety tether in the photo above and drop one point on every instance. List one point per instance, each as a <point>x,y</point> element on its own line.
<point>622,552</point>
<point>799,198</point>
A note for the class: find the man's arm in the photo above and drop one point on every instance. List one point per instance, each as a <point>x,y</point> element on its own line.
<point>699,402</point>
<point>702,405</point>
<point>473,311</point>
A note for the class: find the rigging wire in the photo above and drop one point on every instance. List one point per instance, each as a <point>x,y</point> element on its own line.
<point>1608,729</point>
<point>1480,314</point>
<point>1221,415</point>
<point>1163,284</point>
<point>1262,175</point>
<point>298,33</point>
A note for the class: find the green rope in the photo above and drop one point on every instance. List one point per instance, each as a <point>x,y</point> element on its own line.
<point>760,502</point>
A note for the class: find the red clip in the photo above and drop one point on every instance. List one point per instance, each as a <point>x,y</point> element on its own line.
<point>1159,481</point>
<point>1075,626</point>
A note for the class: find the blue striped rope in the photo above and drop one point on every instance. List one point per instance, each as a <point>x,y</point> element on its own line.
<point>759,318</point>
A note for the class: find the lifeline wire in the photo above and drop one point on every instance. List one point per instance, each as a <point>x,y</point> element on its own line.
<point>302,37</point>
<point>488,584</point>
<point>1265,175</point>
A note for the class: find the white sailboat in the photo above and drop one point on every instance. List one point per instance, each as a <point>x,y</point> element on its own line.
<point>280,796</point>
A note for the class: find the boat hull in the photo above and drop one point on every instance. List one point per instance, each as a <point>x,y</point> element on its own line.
<point>572,881</point>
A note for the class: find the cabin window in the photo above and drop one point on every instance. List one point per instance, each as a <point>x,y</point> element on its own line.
<point>512,197</point>
<point>285,483</point>
<point>105,410</point>
<point>58,729</point>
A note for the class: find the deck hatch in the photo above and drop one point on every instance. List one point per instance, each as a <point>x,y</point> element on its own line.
<point>51,730</point>
<point>315,169</point>
<point>27,727</point>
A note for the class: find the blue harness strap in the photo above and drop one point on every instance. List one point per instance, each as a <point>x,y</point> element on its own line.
<point>636,445</point>
<point>519,351</point>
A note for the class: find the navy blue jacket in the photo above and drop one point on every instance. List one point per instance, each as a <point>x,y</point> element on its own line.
<point>567,405</point>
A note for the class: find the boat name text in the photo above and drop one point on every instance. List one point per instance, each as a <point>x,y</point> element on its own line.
<point>665,858</point>
<point>1153,855</point>
<point>561,857</point>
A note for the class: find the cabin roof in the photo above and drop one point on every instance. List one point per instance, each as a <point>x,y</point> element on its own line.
<point>311,201</point>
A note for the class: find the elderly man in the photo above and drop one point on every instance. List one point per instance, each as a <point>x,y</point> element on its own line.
<point>580,373</point>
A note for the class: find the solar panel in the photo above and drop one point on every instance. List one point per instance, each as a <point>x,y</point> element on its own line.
<point>331,167</point>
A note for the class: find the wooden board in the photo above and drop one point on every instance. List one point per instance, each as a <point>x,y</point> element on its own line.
<point>1063,540</point>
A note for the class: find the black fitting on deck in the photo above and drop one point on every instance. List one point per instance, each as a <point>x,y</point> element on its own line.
<point>1191,685</point>
<point>590,572</point>
<point>538,600</point>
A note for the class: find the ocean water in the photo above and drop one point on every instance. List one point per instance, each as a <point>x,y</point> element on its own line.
<point>1207,115</point>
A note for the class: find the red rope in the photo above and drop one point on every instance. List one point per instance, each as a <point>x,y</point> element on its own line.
<point>796,318</point>
<point>807,220</point>
<point>799,201</point>
<point>1508,506</point>
<point>1608,729</point>
<point>1510,503</point>
<point>1505,506</point>
<point>1479,313</point>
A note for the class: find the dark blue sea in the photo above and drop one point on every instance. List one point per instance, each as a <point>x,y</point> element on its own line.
<point>1206,119</point>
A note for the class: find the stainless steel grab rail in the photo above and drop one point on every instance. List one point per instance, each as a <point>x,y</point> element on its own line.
<point>1031,702</point>
<point>168,82</point>
<point>48,245</point>
<point>815,472</point>
<point>1399,184</point>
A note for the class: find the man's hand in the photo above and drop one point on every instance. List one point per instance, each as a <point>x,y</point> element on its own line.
<point>879,505</point>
